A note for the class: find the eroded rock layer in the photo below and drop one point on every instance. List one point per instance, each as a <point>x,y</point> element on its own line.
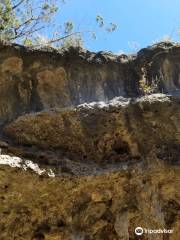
<point>33,80</point>
<point>97,170</point>
<point>121,130</point>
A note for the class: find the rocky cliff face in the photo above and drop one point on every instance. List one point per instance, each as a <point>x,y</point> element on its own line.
<point>33,80</point>
<point>84,154</point>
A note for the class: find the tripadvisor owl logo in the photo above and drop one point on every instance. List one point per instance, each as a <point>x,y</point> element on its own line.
<point>139,231</point>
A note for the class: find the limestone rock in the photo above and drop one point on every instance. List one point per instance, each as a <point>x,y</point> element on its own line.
<point>84,154</point>
<point>114,132</point>
<point>38,79</point>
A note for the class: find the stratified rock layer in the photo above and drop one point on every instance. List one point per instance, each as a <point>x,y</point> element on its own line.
<point>33,80</point>
<point>122,130</point>
<point>98,170</point>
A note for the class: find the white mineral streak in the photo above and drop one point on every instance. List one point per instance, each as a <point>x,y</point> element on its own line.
<point>51,173</point>
<point>10,161</point>
<point>33,166</point>
<point>115,102</point>
<point>23,164</point>
<point>123,102</point>
<point>160,97</point>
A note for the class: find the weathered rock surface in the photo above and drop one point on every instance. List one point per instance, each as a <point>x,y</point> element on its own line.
<point>33,80</point>
<point>94,171</point>
<point>106,206</point>
<point>122,130</point>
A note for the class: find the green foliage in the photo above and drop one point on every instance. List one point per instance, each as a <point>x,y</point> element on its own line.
<point>23,21</point>
<point>68,27</point>
<point>149,88</point>
<point>75,41</point>
<point>100,20</point>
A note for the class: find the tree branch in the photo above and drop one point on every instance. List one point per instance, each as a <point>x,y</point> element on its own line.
<point>18,4</point>
<point>62,38</point>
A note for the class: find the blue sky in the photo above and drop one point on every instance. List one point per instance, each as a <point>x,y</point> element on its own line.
<point>140,22</point>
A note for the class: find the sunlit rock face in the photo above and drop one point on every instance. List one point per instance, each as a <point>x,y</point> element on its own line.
<point>84,153</point>
<point>123,130</point>
<point>33,80</point>
<point>37,80</point>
